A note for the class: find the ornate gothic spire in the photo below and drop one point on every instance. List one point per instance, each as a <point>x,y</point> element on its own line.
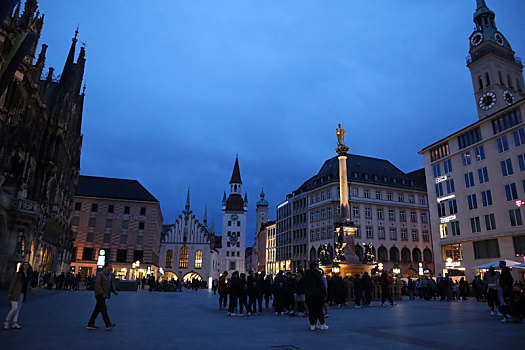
<point>187,206</point>
<point>236,174</point>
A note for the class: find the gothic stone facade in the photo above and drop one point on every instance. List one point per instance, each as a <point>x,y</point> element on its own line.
<point>40,143</point>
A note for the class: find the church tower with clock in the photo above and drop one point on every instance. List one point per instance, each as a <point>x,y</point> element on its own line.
<point>234,213</point>
<point>497,75</point>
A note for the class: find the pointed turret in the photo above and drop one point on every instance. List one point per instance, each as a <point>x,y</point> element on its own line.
<point>16,14</point>
<point>41,62</point>
<point>30,7</point>
<point>236,174</point>
<point>70,61</point>
<point>187,206</point>
<point>205,219</point>
<point>245,198</point>
<point>213,226</point>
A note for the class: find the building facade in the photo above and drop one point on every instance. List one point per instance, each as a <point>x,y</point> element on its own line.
<point>118,221</point>
<point>40,143</point>
<point>234,213</point>
<point>476,175</point>
<point>188,248</point>
<point>388,207</point>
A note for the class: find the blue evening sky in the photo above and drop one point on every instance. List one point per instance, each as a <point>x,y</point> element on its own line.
<point>176,88</point>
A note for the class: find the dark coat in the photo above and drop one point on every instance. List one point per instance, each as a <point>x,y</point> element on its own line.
<point>236,286</point>
<point>314,284</point>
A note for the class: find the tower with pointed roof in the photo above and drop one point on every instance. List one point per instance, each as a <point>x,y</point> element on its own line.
<point>261,212</point>
<point>497,74</point>
<point>234,213</point>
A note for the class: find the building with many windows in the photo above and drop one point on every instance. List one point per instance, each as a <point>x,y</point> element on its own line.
<point>115,220</point>
<point>388,207</point>
<point>476,176</point>
<point>188,250</point>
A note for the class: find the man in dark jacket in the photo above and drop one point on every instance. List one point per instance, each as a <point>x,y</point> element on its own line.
<point>315,292</point>
<point>267,289</point>
<point>505,280</point>
<point>223,290</point>
<point>103,288</point>
<point>386,282</point>
<point>236,287</point>
<point>279,293</point>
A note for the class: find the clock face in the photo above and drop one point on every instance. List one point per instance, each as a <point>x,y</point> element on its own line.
<point>499,39</point>
<point>476,38</point>
<point>234,217</point>
<point>487,101</point>
<point>508,97</point>
<point>233,239</point>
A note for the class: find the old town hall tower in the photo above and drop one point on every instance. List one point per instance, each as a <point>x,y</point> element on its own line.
<point>234,212</point>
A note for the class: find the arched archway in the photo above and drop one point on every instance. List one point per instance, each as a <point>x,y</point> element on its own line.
<point>405,255</point>
<point>382,254</point>
<point>427,255</point>
<point>313,254</point>
<point>394,254</point>
<point>416,255</point>
<point>190,276</point>
<point>169,275</point>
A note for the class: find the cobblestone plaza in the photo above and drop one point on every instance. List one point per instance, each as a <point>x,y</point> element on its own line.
<point>191,320</point>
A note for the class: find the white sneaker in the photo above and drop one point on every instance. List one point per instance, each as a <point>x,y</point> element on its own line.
<point>16,326</point>
<point>499,314</point>
<point>492,313</point>
<point>6,325</point>
<point>234,314</point>
<point>312,328</point>
<point>249,314</point>
<point>357,307</point>
<point>505,320</point>
<point>324,327</point>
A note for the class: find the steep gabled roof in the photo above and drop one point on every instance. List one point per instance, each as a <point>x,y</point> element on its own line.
<point>105,187</point>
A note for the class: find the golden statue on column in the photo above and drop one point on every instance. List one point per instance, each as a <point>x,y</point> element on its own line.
<point>341,147</point>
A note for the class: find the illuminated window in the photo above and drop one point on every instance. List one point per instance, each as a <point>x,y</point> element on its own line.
<point>198,259</point>
<point>183,260</point>
<point>443,231</point>
<point>169,259</point>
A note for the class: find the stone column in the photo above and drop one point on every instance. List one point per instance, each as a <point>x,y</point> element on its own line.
<point>343,188</point>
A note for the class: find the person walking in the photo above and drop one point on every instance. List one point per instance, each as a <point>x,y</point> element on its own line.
<point>491,279</point>
<point>236,287</point>
<point>278,293</point>
<point>315,292</point>
<point>151,283</point>
<point>267,289</point>
<point>19,287</point>
<point>223,290</point>
<point>103,288</point>
<point>386,282</point>
<point>358,290</point>
<point>300,308</point>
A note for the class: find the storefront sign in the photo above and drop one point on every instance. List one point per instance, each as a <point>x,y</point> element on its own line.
<point>441,199</point>
<point>128,217</point>
<point>452,264</point>
<point>441,179</point>
<point>101,258</point>
<point>448,218</point>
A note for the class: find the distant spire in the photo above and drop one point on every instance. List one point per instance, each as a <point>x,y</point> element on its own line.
<point>236,174</point>
<point>187,206</point>
<point>245,198</point>
<point>205,219</point>
<point>70,61</point>
<point>262,193</point>
<point>212,225</point>
<point>224,197</point>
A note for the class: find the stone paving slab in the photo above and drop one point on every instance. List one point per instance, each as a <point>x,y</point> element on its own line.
<point>191,320</point>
